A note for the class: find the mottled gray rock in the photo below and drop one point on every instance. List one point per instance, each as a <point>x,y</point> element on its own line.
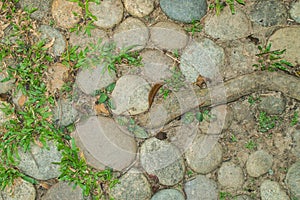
<point>243,197</point>
<point>156,65</point>
<point>170,194</point>
<point>6,85</point>
<point>83,40</point>
<point>296,139</point>
<point>21,190</point>
<point>109,13</point>
<point>269,12</point>
<point>64,191</point>
<point>272,104</point>
<point>201,188</point>
<point>259,163</point>
<point>63,13</point>
<point>38,161</point>
<point>241,53</point>
<point>131,32</point>
<point>56,76</point>
<point>242,111</point>
<point>227,26</point>
<point>162,159</point>
<point>270,190</point>
<point>292,180</point>
<point>133,185</point>
<point>202,56</point>
<point>94,76</point>
<point>64,113</point>
<point>51,34</point>
<point>43,7</point>
<point>205,154</point>
<point>106,143</point>
<point>221,118</point>
<point>287,38</point>
<point>231,176</point>
<point>184,10</point>
<point>295,11</point>
<point>167,35</point>
<point>139,8</point>
<point>130,96</point>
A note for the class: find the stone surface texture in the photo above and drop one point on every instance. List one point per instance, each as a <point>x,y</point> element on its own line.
<point>271,190</point>
<point>109,13</point>
<point>21,190</point>
<point>231,176</point>
<point>168,194</point>
<point>259,163</point>
<point>292,179</point>
<point>139,8</point>
<point>63,13</point>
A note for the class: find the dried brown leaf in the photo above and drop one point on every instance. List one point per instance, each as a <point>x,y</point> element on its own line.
<point>153,92</point>
<point>22,100</point>
<point>101,109</point>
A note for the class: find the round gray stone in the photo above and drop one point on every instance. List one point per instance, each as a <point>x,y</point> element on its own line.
<point>133,185</point>
<point>184,10</point>
<point>49,33</point>
<point>227,26</point>
<point>202,57</point>
<point>272,104</point>
<point>231,176</point>
<point>63,13</point>
<point>271,190</point>
<point>21,190</point>
<point>43,7</point>
<point>296,141</point>
<point>83,40</point>
<point>170,194</point>
<point>109,13</point>
<point>287,38</point>
<point>64,191</point>
<point>38,162</point>
<point>242,111</point>
<point>295,11</point>
<point>201,188</point>
<point>240,53</point>
<point>292,180</point>
<point>156,65</point>
<point>162,159</point>
<point>259,163</point>
<point>167,35</point>
<point>7,85</point>
<point>205,154</point>
<point>64,113</point>
<point>106,143</point>
<point>131,32</point>
<point>269,12</point>
<point>130,96</point>
<point>139,8</point>
<point>94,77</point>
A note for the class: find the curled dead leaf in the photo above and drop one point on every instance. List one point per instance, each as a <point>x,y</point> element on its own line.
<point>45,185</point>
<point>22,100</point>
<point>50,44</point>
<point>153,92</point>
<point>101,109</point>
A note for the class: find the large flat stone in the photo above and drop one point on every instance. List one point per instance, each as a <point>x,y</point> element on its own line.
<point>163,160</point>
<point>20,190</point>
<point>132,32</point>
<point>287,38</point>
<point>106,143</point>
<point>184,10</point>
<point>227,26</point>
<point>109,13</point>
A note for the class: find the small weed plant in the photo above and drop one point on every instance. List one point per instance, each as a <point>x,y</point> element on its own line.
<point>266,122</point>
<point>219,5</point>
<point>271,60</point>
<point>194,27</point>
<point>295,119</point>
<point>104,95</point>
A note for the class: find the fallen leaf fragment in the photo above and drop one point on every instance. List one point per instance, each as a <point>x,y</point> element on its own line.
<point>101,109</point>
<point>153,92</point>
<point>22,100</point>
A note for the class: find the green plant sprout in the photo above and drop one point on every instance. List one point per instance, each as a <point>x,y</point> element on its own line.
<point>87,19</point>
<point>195,27</point>
<point>271,60</point>
<point>266,122</point>
<point>295,118</point>
<point>250,145</point>
<point>104,95</point>
<point>219,5</point>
